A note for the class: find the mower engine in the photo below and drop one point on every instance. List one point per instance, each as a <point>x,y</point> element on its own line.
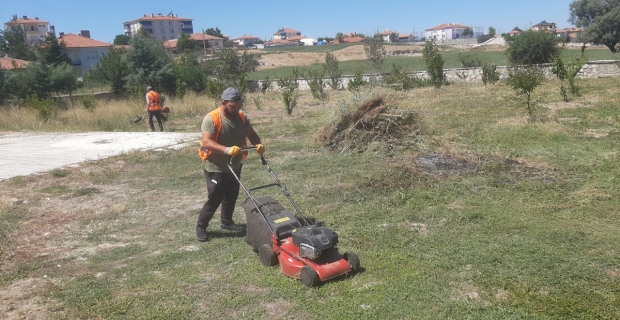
<point>314,240</point>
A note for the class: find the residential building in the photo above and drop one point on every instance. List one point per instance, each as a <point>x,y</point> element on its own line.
<point>570,34</point>
<point>35,29</point>
<point>544,26</point>
<point>387,36</point>
<point>285,33</point>
<point>514,32</point>
<point>205,41</point>
<point>159,26</point>
<point>349,37</point>
<point>13,64</point>
<point>405,38</point>
<point>246,40</point>
<point>446,31</point>
<point>83,51</point>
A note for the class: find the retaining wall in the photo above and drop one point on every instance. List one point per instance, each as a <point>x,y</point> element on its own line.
<point>592,69</point>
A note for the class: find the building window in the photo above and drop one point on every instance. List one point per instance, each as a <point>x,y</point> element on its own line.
<point>171,31</point>
<point>92,55</point>
<point>31,28</point>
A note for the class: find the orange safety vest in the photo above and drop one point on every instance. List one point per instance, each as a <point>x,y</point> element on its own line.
<point>217,122</point>
<point>154,101</point>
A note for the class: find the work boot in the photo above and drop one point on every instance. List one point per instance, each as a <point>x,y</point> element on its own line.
<point>232,226</point>
<point>201,233</point>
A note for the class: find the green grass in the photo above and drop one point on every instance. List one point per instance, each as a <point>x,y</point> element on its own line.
<point>534,237</point>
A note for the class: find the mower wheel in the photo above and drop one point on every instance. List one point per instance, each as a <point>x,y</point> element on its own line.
<point>309,277</point>
<point>267,256</point>
<point>352,259</point>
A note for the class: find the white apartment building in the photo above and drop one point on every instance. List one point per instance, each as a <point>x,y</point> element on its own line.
<point>35,29</point>
<point>160,27</point>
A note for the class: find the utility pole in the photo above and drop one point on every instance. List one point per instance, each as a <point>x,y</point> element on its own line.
<point>204,43</point>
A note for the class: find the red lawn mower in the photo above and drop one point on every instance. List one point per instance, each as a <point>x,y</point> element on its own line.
<point>304,250</point>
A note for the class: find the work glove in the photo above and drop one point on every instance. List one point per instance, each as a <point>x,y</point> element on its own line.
<point>260,148</point>
<point>233,151</point>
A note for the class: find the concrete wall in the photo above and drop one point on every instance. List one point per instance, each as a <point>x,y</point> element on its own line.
<point>593,69</point>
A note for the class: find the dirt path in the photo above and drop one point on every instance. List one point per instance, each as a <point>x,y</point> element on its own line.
<point>28,153</point>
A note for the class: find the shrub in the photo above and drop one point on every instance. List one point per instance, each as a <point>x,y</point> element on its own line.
<point>266,84</point>
<point>533,47</point>
<point>46,108</point>
<point>89,102</point>
<point>469,60</point>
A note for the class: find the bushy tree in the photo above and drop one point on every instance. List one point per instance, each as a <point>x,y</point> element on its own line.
<point>489,73</point>
<point>214,32</point>
<point>357,82</point>
<point>468,32</point>
<point>434,63</point>
<point>111,69</point>
<point>190,75</point>
<point>121,39</point>
<point>13,43</point>
<point>8,85</point>
<point>37,78</point>
<point>288,86</point>
<point>149,64</point>
<point>63,79</point>
<point>600,20</point>
<point>333,71</point>
<point>375,50</point>
<point>52,52</point>
<point>228,66</point>
<point>533,47</point>
<point>492,31</point>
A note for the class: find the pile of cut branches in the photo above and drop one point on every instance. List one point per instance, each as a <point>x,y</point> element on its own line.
<point>374,120</point>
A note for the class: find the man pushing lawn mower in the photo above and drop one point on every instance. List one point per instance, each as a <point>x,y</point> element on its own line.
<point>225,131</point>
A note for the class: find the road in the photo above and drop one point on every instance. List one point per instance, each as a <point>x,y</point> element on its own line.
<point>28,153</point>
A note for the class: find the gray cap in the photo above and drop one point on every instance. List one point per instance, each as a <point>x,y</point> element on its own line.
<point>231,94</point>
<point>149,88</point>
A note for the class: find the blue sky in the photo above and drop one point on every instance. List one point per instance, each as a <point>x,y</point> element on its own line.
<point>317,18</point>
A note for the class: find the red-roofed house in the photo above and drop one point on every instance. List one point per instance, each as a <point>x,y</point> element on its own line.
<point>446,31</point>
<point>83,51</point>
<point>514,32</point>
<point>387,35</point>
<point>246,40</point>
<point>405,38</point>
<point>13,64</point>
<point>570,33</point>
<point>203,39</point>
<point>285,33</point>
<point>35,29</point>
<point>544,26</point>
<point>159,26</point>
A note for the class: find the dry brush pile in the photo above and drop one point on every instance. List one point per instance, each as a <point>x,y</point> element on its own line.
<point>375,120</point>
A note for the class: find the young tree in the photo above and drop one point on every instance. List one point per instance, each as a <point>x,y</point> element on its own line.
<point>214,32</point>
<point>434,62</point>
<point>185,43</point>
<point>600,20</point>
<point>524,81</point>
<point>13,43</point>
<point>492,31</point>
<point>122,39</point>
<point>375,51</point>
<point>333,71</point>
<point>567,69</point>
<point>340,37</point>
<point>533,47</point>
<point>393,37</point>
<point>112,69</point>
<point>52,52</point>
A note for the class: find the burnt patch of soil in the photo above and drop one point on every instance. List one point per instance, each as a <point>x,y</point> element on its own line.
<point>443,164</point>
